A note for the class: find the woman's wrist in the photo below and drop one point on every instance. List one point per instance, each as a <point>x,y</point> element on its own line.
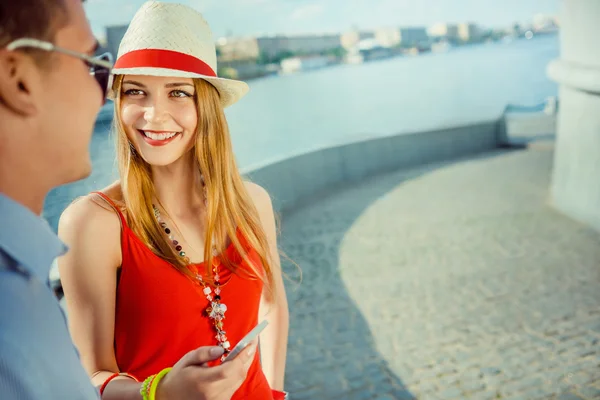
<point>149,389</point>
<point>115,376</point>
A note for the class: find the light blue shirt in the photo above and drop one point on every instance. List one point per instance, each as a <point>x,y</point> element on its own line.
<point>37,358</point>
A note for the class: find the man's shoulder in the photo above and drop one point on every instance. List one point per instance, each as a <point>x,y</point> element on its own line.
<point>19,372</point>
<point>34,340</point>
<point>31,307</point>
<point>27,374</point>
<point>31,312</point>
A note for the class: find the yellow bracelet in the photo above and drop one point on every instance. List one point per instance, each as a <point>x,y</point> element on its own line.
<point>145,388</point>
<point>155,382</point>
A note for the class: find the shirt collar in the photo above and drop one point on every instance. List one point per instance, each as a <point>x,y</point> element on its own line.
<point>27,238</point>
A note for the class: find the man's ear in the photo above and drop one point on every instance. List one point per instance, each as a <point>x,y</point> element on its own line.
<point>20,82</point>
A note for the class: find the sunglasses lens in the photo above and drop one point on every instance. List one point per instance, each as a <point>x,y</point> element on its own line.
<point>102,76</point>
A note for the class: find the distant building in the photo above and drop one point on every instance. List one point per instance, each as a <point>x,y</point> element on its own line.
<point>350,39</point>
<point>413,36</point>
<point>468,32</point>
<point>101,48</point>
<point>388,37</point>
<point>272,46</point>
<point>242,69</point>
<point>114,35</point>
<point>444,31</point>
<point>238,49</point>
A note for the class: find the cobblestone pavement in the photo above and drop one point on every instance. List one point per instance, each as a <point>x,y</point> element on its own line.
<point>451,281</point>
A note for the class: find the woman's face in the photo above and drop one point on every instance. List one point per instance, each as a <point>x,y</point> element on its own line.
<point>159,115</point>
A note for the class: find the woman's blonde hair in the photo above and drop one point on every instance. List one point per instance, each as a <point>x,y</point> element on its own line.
<point>229,207</point>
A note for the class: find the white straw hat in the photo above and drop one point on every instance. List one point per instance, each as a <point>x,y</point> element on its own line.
<point>166,39</point>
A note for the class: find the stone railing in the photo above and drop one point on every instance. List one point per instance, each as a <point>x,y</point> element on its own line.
<point>295,179</point>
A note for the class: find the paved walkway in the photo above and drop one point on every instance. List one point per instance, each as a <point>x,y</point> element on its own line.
<point>452,281</point>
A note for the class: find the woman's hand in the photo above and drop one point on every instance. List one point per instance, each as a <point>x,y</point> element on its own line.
<point>191,378</point>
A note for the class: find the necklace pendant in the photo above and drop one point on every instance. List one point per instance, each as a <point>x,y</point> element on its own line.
<point>213,312</point>
<point>221,337</point>
<point>216,311</point>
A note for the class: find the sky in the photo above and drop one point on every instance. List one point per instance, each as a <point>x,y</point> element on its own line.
<point>267,17</point>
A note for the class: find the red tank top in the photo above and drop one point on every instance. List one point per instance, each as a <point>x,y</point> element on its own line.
<point>160,313</point>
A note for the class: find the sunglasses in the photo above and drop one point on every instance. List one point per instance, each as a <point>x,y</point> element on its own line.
<point>100,66</point>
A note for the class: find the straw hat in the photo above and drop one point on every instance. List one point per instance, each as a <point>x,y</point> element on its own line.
<point>166,39</point>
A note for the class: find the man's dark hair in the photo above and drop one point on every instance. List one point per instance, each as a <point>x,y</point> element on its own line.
<point>37,19</point>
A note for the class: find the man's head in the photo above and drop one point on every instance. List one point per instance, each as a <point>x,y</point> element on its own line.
<point>48,100</point>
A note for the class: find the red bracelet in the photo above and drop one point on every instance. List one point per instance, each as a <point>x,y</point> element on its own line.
<point>113,376</point>
<point>110,378</point>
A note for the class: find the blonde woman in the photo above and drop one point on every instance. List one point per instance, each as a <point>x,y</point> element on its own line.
<point>174,263</point>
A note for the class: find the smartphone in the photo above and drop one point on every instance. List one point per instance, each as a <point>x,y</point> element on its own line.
<point>253,334</point>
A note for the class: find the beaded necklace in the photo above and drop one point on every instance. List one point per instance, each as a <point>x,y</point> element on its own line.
<point>216,310</point>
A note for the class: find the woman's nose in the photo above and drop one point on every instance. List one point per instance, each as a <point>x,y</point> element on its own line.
<point>155,112</point>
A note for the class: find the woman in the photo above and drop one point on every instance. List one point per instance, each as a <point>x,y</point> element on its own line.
<point>140,295</point>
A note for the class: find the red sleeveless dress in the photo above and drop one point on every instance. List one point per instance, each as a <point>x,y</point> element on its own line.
<point>160,313</point>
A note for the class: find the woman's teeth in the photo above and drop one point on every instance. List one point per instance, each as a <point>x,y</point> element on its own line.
<point>159,136</point>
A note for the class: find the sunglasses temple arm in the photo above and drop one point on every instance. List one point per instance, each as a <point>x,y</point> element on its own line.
<point>91,60</point>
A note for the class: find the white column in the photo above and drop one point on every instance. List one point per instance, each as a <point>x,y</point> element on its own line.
<point>576,175</point>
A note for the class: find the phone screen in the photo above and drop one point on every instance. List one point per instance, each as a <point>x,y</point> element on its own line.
<point>246,340</point>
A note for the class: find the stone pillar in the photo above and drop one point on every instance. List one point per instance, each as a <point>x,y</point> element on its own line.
<point>576,176</point>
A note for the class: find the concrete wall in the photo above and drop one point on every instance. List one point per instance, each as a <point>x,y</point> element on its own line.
<point>293,180</point>
<point>576,176</point>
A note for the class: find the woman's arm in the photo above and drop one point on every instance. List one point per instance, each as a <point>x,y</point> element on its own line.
<point>273,340</point>
<point>88,275</point>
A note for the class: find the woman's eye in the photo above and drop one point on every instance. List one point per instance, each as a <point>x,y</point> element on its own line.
<point>133,92</point>
<point>180,93</point>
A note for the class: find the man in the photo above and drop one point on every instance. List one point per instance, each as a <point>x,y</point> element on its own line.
<point>50,92</point>
<point>48,104</point>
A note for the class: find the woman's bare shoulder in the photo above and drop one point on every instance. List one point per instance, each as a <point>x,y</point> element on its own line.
<point>259,195</point>
<point>92,213</point>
